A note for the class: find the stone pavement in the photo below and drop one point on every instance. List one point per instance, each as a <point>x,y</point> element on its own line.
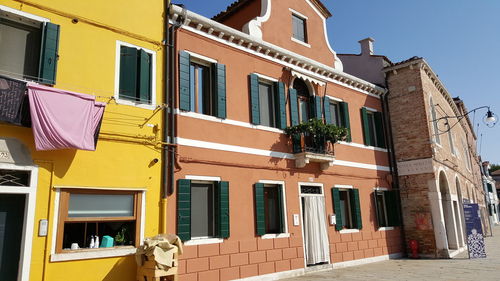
<point>459,268</point>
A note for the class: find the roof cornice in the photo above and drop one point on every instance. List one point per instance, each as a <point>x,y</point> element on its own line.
<point>273,52</point>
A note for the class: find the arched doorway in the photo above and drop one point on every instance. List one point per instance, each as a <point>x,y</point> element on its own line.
<point>449,217</point>
<point>458,210</point>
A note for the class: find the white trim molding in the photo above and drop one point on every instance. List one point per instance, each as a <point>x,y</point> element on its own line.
<point>7,10</point>
<point>203,241</point>
<point>269,153</point>
<point>201,57</point>
<point>152,104</point>
<point>93,254</point>
<point>28,216</point>
<point>202,178</point>
<point>346,231</point>
<point>301,42</point>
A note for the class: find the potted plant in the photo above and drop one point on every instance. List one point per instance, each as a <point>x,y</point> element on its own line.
<point>319,134</point>
<point>121,236</point>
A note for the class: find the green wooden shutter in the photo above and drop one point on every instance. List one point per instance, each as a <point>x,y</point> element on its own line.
<point>392,207</point>
<point>223,209</point>
<point>50,56</point>
<point>339,224</point>
<point>366,126</point>
<point>344,118</point>
<point>490,187</point>
<point>328,114</point>
<point>375,200</point>
<point>184,209</point>
<point>282,212</point>
<point>294,111</point>
<point>379,126</point>
<point>254,98</point>
<point>317,108</point>
<point>144,77</point>
<point>184,81</point>
<point>128,73</point>
<point>355,208</point>
<point>220,90</point>
<point>260,213</point>
<point>281,110</point>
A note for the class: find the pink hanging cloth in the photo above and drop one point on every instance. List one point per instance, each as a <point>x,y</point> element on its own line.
<point>62,119</point>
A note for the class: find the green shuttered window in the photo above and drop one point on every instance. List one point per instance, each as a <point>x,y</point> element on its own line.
<point>267,102</point>
<point>347,208</point>
<point>269,209</point>
<point>373,128</point>
<point>202,86</point>
<point>202,209</point>
<point>136,72</point>
<point>387,208</point>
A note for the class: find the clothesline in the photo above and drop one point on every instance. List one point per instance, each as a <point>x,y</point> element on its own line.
<point>111,98</point>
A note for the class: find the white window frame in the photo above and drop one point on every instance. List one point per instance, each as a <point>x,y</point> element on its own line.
<point>285,215</point>
<point>337,102</point>
<point>150,106</point>
<point>101,252</point>
<point>304,19</point>
<point>345,188</point>
<point>29,215</point>
<point>383,228</point>
<point>203,240</point>
<point>372,125</point>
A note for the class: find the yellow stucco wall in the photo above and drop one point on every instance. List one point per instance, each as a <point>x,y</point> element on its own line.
<point>124,152</point>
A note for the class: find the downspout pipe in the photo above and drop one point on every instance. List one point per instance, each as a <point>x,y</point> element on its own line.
<point>165,131</point>
<point>389,138</point>
<point>169,150</point>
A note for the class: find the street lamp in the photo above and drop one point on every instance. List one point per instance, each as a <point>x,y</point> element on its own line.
<point>490,119</point>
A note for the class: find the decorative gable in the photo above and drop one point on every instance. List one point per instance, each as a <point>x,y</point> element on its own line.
<point>296,25</point>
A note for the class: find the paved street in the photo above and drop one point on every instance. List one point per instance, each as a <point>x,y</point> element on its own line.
<point>459,268</point>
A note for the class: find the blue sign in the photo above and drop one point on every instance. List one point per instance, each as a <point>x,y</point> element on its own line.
<point>474,230</point>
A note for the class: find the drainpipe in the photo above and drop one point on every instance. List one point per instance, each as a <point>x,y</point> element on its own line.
<point>166,99</point>
<point>392,158</point>
<point>169,150</point>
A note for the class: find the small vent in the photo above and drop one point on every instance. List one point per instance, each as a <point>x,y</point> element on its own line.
<point>310,189</point>
<point>14,178</point>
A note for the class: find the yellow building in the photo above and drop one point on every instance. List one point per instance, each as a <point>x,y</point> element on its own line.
<point>53,203</point>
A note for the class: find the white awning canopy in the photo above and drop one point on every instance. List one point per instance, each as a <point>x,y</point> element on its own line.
<point>307,78</point>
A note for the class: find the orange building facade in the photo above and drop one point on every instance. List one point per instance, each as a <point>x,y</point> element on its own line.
<point>249,201</point>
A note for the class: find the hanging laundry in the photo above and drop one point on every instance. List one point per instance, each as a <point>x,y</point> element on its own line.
<point>62,119</point>
<point>14,105</point>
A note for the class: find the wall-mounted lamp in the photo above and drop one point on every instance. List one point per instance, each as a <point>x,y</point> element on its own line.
<point>490,119</point>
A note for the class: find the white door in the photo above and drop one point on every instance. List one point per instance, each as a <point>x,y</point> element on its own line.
<point>314,226</point>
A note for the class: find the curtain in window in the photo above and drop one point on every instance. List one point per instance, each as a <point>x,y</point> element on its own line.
<point>315,233</point>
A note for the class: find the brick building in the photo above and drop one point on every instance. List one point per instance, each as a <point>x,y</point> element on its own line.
<point>247,202</point>
<point>437,163</point>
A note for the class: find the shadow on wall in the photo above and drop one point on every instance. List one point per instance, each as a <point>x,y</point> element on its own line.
<point>125,269</point>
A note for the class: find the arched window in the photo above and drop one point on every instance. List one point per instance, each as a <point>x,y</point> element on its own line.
<point>434,122</point>
<point>303,99</point>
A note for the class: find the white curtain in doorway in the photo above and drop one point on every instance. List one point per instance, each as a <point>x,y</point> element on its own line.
<point>315,233</point>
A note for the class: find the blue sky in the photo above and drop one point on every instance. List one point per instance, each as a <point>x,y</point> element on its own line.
<point>460,39</point>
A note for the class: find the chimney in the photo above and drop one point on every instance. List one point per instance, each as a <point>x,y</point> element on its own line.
<point>366,46</point>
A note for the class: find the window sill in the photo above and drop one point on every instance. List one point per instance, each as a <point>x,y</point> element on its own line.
<point>273,236</point>
<point>345,231</point>
<point>301,42</point>
<point>385,228</point>
<point>136,104</point>
<point>204,241</point>
<point>85,254</point>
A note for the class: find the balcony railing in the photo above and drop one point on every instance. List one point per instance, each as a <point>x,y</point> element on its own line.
<point>307,149</point>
